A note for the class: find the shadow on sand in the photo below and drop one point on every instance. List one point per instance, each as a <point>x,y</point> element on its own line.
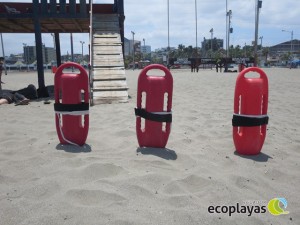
<point>261,157</point>
<point>74,149</point>
<point>164,153</point>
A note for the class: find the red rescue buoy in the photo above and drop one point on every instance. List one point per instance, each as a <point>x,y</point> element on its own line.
<point>250,117</point>
<point>154,105</point>
<point>71,106</point>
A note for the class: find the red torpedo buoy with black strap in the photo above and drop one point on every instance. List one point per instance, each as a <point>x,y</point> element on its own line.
<point>71,106</point>
<point>157,108</point>
<point>250,117</point>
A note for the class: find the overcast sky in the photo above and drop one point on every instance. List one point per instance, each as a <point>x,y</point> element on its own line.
<point>149,20</point>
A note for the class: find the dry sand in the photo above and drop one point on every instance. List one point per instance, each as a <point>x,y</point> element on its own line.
<point>111,181</point>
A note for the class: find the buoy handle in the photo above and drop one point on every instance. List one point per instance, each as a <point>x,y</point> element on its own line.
<point>253,69</point>
<point>159,67</point>
<point>68,65</point>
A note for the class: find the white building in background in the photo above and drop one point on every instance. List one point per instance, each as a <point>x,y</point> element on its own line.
<point>145,49</point>
<point>29,54</point>
<point>138,48</point>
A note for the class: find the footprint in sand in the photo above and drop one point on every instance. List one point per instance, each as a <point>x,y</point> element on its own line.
<point>98,171</point>
<point>93,197</point>
<point>190,184</point>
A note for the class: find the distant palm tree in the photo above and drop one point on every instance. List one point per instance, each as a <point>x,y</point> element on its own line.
<point>181,47</point>
<point>265,52</point>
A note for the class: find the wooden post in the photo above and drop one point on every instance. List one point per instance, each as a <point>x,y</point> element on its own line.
<point>62,6</point>
<point>53,9</point>
<point>83,7</point>
<point>42,91</point>
<point>72,5</point>
<point>57,48</point>
<point>44,7</point>
<point>120,5</point>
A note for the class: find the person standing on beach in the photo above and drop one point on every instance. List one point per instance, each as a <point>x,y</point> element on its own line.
<point>218,65</point>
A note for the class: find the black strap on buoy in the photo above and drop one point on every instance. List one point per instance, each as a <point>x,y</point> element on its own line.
<point>239,120</point>
<point>154,116</point>
<point>81,108</point>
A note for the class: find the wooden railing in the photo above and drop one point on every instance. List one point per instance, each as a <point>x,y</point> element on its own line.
<point>59,8</point>
<point>52,7</point>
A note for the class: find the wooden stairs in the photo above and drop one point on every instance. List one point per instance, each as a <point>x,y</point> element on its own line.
<point>107,75</point>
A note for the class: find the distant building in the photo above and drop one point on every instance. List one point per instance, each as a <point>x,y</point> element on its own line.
<point>161,52</point>
<point>285,47</point>
<point>216,44</point>
<point>128,46</point>
<point>29,54</point>
<point>145,49</point>
<point>50,55</point>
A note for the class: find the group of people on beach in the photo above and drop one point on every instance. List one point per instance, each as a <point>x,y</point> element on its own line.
<point>19,97</point>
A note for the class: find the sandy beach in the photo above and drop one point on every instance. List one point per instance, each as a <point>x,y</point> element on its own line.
<point>110,180</point>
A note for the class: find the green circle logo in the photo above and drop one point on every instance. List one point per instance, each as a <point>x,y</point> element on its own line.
<point>274,206</point>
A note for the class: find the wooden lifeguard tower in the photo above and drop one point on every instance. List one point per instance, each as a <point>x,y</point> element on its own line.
<point>104,23</point>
